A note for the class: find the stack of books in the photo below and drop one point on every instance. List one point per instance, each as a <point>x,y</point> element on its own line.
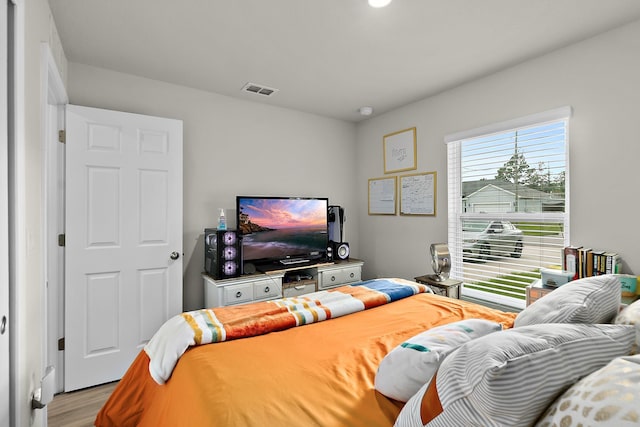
<point>586,262</point>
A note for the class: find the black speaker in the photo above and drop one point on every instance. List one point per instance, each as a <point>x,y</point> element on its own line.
<point>336,220</point>
<point>222,253</point>
<point>340,250</point>
<point>330,252</point>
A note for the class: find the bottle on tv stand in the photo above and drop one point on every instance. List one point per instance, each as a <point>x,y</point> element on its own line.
<point>222,221</point>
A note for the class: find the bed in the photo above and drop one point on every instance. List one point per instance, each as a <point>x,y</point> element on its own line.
<point>322,373</point>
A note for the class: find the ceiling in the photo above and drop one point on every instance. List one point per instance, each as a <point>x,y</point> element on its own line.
<point>327,57</point>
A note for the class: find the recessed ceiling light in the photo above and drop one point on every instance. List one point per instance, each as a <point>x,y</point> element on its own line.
<point>379,3</point>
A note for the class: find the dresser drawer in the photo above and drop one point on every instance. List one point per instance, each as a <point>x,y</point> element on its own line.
<point>340,276</point>
<point>294,289</point>
<point>352,274</point>
<point>266,289</point>
<point>238,294</point>
<point>329,279</point>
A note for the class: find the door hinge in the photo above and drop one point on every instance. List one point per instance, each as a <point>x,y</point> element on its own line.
<point>61,344</point>
<point>61,239</point>
<point>62,136</point>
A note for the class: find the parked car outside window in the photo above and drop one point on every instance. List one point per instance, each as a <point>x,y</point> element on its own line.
<point>490,239</point>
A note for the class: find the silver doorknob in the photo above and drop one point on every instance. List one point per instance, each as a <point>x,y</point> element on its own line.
<point>174,255</point>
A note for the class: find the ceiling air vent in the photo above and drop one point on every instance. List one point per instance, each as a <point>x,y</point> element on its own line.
<point>259,89</point>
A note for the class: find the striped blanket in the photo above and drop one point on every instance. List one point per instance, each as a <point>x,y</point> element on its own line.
<point>227,323</point>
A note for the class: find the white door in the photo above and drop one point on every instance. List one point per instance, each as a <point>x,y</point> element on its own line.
<point>4,223</point>
<point>123,261</point>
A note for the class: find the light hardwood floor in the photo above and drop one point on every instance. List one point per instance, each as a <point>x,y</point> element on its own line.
<point>78,408</point>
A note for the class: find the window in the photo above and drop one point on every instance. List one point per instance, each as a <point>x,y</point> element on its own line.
<point>508,204</point>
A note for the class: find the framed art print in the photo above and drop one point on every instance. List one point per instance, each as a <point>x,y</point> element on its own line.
<point>400,151</point>
<point>418,194</point>
<point>382,196</point>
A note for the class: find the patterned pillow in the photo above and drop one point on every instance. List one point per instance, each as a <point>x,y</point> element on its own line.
<point>631,316</point>
<point>509,378</point>
<point>607,397</point>
<point>411,364</point>
<point>589,300</point>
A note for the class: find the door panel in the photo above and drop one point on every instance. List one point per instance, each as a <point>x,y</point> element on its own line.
<point>154,287</point>
<point>103,216</point>
<point>123,221</point>
<point>101,303</point>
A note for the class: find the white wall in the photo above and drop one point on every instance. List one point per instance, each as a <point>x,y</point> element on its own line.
<point>598,77</point>
<point>232,147</point>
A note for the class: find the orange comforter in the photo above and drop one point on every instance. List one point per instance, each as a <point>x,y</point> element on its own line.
<point>320,374</point>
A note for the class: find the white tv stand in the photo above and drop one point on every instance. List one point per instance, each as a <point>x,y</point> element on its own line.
<point>271,285</point>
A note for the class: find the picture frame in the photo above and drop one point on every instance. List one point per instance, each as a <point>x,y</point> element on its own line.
<point>399,150</point>
<point>418,194</point>
<point>382,196</point>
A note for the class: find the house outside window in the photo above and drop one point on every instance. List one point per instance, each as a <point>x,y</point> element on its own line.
<point>508,194</point>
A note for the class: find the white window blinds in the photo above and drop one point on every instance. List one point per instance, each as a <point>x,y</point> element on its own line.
<point>508,198</point>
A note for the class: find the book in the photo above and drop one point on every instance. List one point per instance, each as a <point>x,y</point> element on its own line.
<point>589,267</point>
<point>613,263</point>
<point>570,260</point>
<point>585,262</point>
<point>597,257</point>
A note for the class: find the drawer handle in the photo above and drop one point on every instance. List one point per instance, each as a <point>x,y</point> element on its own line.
<point>238,294</point>
<point>352,275</point>
<point>333,278</point>
<point>266,290</point>
<point>299,287</point>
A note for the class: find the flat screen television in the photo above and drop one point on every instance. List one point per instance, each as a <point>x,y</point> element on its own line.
<point>281,231</point>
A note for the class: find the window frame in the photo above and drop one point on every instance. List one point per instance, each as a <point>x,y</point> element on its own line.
<point>456,214</point>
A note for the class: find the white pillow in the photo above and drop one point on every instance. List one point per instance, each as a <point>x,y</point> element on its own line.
<point>608,397</point>
<point>509,378</point>
<point>590,300</point>
<point>411,364</point>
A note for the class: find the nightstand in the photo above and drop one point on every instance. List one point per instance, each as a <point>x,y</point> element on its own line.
<point>449,287</point>
<point>536,291</point>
